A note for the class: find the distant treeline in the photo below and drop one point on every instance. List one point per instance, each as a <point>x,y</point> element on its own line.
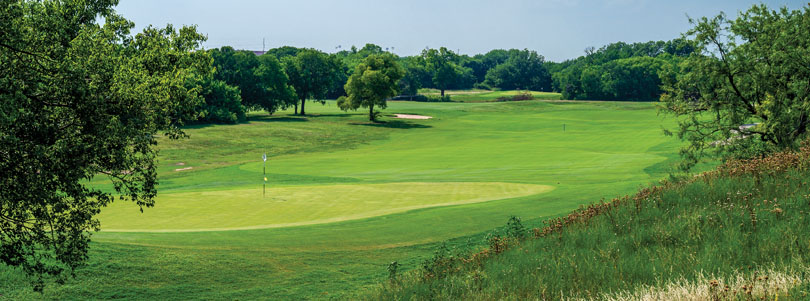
<point>288,76</point>
<point>618,71</point>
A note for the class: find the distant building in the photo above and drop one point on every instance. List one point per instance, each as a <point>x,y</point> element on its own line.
<point>257,52</point>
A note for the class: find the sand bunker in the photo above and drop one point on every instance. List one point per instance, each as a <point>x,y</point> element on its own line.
<point>408,116</point>
<point>183,169</point>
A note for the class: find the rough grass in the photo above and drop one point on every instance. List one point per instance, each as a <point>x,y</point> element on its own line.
<point>738,233</point>
<point>770,284</point>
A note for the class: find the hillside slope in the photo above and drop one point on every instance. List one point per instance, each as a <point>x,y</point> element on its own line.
<point>740,232</point>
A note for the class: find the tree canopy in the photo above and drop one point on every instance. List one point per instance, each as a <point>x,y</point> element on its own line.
<point>746,90</point>
<point>444,65</point>
<point>522,70</point>
<point>261,79</point>
<point>312,73</point>
<point>373,81</point>
<point>618,71</point>
<point>223,102</point>
<point>82,99</point>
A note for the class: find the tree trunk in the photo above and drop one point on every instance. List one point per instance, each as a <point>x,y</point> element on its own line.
<point>371,113</point>
<point>442,92</point>
<point>303,101</point>
<point>296,109</point>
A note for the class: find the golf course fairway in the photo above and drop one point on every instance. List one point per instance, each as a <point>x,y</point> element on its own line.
<point>345,197</point>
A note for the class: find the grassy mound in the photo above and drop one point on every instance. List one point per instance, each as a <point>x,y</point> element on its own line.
<point>740,232</point>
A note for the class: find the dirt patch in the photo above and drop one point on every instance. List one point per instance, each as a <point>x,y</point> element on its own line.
<point>182,169</point>
<point>409,116</point>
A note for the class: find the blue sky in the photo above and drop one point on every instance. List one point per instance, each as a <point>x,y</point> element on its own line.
<point>557,29</point>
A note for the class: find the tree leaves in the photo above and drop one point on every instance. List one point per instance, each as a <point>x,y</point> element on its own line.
<point>373,81</point>
<point>750,70</point>
<point>81,100</point>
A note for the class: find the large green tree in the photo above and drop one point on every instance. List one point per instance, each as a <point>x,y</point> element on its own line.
<point>754,69</point>
<point>444,66</point>
<point>372,83</point>
<point>312,73</point>
<point>79,99</point>
<point>522,70</point>
<point>261,79</point>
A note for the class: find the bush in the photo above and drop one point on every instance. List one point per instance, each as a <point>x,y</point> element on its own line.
<point>423,98</point>
<point>483,86</point>
<point>420,98</point>
<point>223,103</point>
<point>517,97</point>
<point>436,98</point>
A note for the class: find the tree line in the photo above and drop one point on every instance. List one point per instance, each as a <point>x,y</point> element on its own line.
<point>619,71</point>
<point>288,77</point>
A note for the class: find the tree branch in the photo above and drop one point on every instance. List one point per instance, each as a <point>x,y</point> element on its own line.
<point>730,76</point>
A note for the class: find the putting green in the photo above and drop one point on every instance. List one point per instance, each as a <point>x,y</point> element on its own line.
<point>243,209</point>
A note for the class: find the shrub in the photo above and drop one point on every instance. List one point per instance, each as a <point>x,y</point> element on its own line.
<point>436,98</point>
<point>517,97</point>
<point>482,86</point>
<point>423,98</point>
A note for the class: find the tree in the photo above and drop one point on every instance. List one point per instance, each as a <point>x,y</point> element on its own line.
<point>373,81</point>
<point>750,70</point>
<point>522,70</point>
<point>312,73</point>
<point>446,72</point>
<point>272,87</point>
<point>480,64</point>
<point>223,102</point>
<point>81,100</point>
<point>632,79</point>
<point>351,58</point>
<point>284,51</point>
<point>415,75</point>
<point>261,79</point>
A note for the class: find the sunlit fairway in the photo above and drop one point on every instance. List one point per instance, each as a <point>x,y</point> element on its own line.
<point>240,209</point>
<point>346,197</point>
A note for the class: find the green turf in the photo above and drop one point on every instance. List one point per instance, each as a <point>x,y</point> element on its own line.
<point>256,208</point>
<point>607,149</point>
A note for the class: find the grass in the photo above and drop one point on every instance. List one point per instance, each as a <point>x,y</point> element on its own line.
<point>607,149</point>
<point>487,95</point>
<point>240,209</point>
<point>739,233</point>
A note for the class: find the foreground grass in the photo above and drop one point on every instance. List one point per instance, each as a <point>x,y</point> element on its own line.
<point>739,233</point>
<point>607,149</point>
